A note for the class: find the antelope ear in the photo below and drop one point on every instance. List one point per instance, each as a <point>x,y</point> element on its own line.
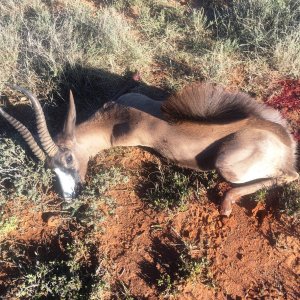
<point>69,127</point>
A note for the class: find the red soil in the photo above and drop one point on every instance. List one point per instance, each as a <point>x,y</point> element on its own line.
<point>253,254</point>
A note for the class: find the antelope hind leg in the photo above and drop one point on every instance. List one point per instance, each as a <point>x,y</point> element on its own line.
<point>253,159</point>
<point>237,192</point>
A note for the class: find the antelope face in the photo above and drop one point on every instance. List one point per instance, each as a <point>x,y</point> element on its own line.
<point>66,168</point>
<point>68,163</point>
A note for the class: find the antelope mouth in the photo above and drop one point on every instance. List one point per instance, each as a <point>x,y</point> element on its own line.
<point>68,183</point>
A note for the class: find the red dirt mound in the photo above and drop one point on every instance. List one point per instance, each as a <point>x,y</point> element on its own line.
<point>251,255</point>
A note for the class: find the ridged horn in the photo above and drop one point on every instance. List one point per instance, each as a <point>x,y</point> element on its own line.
<point>47,143</point>
<point>25,133</point>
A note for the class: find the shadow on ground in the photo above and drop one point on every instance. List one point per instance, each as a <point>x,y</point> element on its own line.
<point>168,256</point>
<point>50,267</point>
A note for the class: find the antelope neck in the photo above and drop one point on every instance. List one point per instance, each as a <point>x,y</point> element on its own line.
<point>138,129</point>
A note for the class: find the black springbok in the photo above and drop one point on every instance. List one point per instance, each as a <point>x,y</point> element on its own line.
<point>202,127</point>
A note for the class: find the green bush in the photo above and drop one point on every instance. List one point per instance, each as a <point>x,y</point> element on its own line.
<point>19,175</point>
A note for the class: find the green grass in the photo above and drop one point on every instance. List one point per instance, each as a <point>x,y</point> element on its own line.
<point>165,186</point>
<point>169,189</point>
<point>71,271</point>
<point>286,55</point>
<point>176,266</point>
<point>257,26</point>
<point>39,41</point>
<point>189,269</point>
<point>289,199</point>
<point>264,29</point>
<point>122,291</point>
<point>285,198</point>
<point>85,208</point>
<point>46,281</point>
<point>260,196</point>
<point>7,226</point>
<point>20,177</point>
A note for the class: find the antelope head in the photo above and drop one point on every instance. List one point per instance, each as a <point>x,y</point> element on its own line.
<point>61,155</point>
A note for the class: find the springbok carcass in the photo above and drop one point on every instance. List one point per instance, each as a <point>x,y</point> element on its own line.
<point>203,127</point>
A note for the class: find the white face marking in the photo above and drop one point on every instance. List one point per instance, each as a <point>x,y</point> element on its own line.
<point>67,183</point>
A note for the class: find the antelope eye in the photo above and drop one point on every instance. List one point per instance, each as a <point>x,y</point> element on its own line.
<point>69,159</point>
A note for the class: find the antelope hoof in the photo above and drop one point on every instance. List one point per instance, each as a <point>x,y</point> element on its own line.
<point>226,209</point>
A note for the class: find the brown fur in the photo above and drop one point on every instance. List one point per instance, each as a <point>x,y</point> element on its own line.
<point>206,102</point>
